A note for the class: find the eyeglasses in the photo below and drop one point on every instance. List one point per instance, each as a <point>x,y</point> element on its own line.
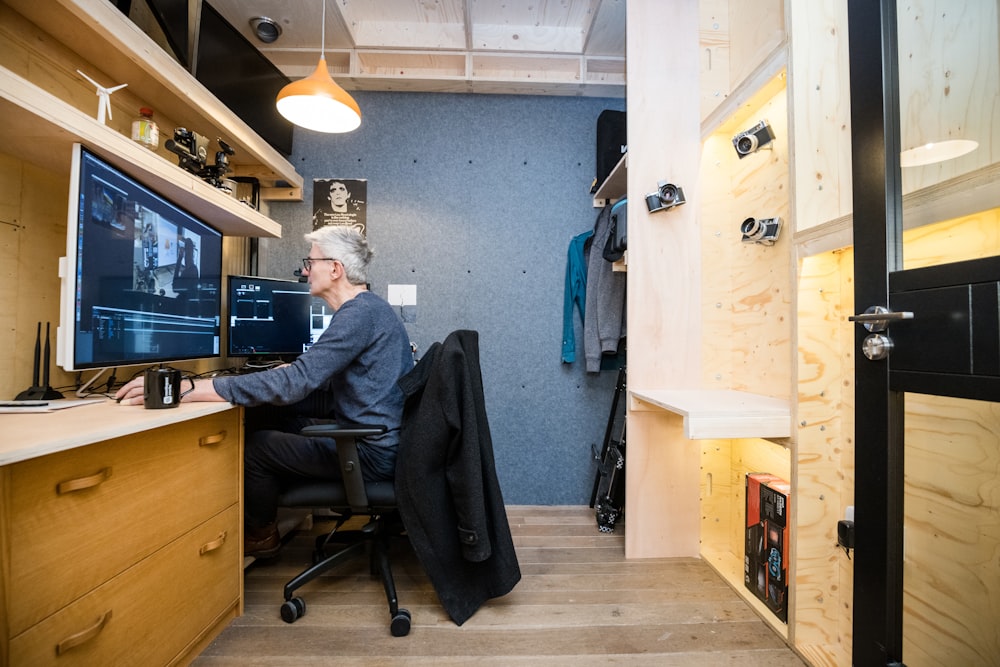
<point>307,262</point>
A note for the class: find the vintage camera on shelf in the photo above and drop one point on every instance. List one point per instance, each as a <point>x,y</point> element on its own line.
<point>764,231</point>
<point>667,195</point>
<point>192,151</point>
<point>753,139</point>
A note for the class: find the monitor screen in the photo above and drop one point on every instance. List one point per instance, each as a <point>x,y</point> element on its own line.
<point>142,276</point>
<point>269,317</point>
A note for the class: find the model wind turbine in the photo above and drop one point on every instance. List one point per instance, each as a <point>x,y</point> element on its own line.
<point>104,104</point>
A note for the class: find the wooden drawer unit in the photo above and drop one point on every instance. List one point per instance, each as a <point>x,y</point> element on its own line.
<point>79,517</point>
<point>153,612</point>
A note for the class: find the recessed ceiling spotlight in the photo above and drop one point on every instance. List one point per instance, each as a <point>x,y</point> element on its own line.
<point>266,29</point>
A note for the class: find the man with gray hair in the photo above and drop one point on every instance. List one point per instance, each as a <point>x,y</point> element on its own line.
<point>349,374</point>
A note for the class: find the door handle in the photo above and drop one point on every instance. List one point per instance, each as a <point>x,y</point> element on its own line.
<point>877,318</point>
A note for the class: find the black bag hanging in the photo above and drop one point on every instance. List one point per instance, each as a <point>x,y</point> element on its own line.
<point>617,241</point>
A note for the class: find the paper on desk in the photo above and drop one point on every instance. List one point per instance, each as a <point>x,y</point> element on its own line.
<point>59,404</point>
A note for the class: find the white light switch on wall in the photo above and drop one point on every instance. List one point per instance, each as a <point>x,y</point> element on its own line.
<point>402,295</point>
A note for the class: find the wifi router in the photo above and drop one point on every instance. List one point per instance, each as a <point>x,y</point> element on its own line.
<point>40,391</point>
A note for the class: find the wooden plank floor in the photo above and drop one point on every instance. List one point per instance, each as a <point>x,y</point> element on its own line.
<point>579,602</point>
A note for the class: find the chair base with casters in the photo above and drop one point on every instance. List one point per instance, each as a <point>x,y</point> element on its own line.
<point>351,497</point>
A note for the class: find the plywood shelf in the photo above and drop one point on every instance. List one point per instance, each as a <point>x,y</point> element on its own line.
<point>103,36</point>
<point>967,194</point>
<point>41,129</point>
<point>711,413</point>
<point>615,185</point>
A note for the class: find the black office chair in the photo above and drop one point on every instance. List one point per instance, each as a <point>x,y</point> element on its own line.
<point>349,498</point>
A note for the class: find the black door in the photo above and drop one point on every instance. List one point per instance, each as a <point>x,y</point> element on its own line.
<point>931,330</point>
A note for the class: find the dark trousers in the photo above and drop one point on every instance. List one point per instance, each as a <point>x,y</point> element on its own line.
<point>273,459</point>
<point>275,455</point>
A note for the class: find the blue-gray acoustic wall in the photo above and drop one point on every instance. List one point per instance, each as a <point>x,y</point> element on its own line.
<point>474,199</point>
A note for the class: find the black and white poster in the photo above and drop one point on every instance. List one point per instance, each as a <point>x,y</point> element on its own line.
<point>340,201</point>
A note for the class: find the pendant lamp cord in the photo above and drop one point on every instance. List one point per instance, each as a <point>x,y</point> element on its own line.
<point>322,33</point>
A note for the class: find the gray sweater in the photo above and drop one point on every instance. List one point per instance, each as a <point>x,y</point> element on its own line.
<point>604,322</point>
<point>357,360</point>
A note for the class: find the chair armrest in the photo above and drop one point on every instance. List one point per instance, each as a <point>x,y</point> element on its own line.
<point>346,436</point>
<point>343,430</point>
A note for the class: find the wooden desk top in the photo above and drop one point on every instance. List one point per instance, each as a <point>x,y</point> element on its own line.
<point>26,436</point>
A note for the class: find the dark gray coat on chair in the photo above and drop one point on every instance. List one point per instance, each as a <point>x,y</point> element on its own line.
<point>446,483</point>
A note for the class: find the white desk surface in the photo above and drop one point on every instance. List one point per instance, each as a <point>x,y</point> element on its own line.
<point>26,436</point>
<point>714,413</point>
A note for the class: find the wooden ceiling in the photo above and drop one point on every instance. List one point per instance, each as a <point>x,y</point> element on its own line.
<point>541,47</point>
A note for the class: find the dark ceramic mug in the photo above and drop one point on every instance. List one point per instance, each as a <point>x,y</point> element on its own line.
<point>162,388</point>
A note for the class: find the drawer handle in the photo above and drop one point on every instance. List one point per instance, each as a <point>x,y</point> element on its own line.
<point>213,545</point>
<point>207,440</point>
<point>84,635</point>
<point>81,483</point>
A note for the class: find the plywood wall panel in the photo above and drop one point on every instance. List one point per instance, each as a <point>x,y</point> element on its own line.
<point>761,295</point>
<point>756,28</point>
<point>969,237</point>
<point>716,495</point>
<point>713,38</point>
<point>820,92</point>
<point>33,208</point>
<point>664,283</point>
<point>11,233</point>
<point>849,408</point>
<point>44,206</point>
<point>663,487</point>
<point>951,570</point>
<point>952,520</point>
<point>716,219</point>
<point>949,83</point>
<point>822,453</point>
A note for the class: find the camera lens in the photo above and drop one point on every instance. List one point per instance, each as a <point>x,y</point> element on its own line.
<point>751,228</point>
<point>746,144</point>
<point>668,193</point>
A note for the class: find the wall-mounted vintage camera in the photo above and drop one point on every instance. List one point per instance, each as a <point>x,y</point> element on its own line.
<point>751,140</point>
<point>667,195</point>
<point>191,149</point>
<point>764,230</point>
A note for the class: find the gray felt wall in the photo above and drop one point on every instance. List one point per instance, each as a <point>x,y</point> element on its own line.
<point>474,199</point>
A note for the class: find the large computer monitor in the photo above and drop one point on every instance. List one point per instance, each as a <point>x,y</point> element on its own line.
<point>141,277</point>
<point>269,317</point>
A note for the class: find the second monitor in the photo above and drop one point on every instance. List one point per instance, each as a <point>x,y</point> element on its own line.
<point>271,317</point>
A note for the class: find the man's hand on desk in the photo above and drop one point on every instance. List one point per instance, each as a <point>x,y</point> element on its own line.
<point>133,393</point>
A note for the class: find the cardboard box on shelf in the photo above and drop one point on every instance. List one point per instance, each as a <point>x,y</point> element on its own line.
<point>765,566</point>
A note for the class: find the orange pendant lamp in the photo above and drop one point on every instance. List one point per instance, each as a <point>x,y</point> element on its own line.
<point>317,102</point>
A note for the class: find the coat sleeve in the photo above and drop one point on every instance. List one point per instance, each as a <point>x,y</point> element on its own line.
<point>464,468</point>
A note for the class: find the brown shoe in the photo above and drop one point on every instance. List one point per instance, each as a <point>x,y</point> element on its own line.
<point>261,542</point>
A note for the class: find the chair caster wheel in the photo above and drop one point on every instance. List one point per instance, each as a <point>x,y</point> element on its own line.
<point>400,624</point>
<point>293,609</point>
